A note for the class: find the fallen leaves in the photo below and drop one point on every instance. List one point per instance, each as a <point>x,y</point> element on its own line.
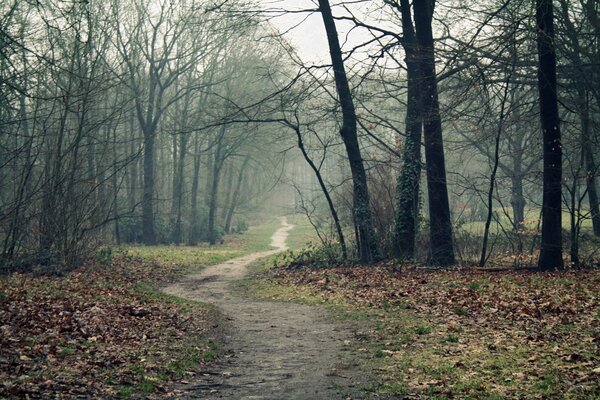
<point>99,332</point>
<point>515,334</point>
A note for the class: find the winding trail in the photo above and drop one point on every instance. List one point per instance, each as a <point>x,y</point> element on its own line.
<point>279,350</point>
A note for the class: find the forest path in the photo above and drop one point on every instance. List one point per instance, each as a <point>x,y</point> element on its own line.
<point>279,350</point>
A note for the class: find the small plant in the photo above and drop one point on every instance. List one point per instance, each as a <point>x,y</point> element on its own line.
<point>423,330</point>
<point>460,311</point>
<point>451,339</point>
<point>68,350</point>
<point>146,386</point>
<point>104,256</point>
<point>475,286</point>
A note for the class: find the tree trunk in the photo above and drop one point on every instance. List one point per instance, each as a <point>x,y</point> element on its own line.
<point>133,180</point>
<point>517,199</point>
<point>236,195</point>
<point>367,243</point>
<point>178,189</point>
<point>551,248</point>
<point>194,227</point>
<point>407,187</point>
<point>591,170</point>
<point>496,162</point>
<point>149,235</point>
<point>214,189</point>
<point>442,247</point>
<point>230,172</point>
<point>332,210</point>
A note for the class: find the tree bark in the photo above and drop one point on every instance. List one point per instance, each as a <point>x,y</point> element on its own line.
<point>367,243</point>
<point>194,227</point>
<point>407,187</point>
<point>149,235</point>
<point>442,246</point>
<point>178,189</point>
<point>551,247</point>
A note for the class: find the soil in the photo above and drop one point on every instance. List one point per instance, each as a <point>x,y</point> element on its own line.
<point>276,350</point>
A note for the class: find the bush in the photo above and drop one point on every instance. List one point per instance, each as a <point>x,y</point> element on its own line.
<point>242,226</point>
<point>314,255</point>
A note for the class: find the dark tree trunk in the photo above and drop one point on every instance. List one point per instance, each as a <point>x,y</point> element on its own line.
<point>442,247</point>
<point>591,172</point>
<point>194,226</point>
<point>133,178</point>
<point>332,210</point>
<point>407,188</point>
<point>496,161</point>
<point>591,169</point>
<point>551,248</point>
<point>367,242</point>
<point>230,175</point>
<point>149,236</point>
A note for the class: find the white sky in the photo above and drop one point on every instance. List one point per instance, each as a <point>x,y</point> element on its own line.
<point>305,31</point>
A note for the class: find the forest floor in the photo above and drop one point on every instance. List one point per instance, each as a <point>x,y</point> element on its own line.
<point>460,333</point>
<point>237,321</point>
<point>105,330</point>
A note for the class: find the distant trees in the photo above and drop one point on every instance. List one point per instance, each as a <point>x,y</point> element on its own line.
<point>103,109</point>
<point>161,122</point>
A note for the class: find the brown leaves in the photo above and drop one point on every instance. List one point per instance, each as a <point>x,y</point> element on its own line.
<point>80,335</point>
<point>519,332</point>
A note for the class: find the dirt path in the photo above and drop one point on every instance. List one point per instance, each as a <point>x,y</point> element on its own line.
<point>280,350</point>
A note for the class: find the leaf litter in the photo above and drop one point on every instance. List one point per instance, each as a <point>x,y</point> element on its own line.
<point>508,334</point>
<point>99,332</point>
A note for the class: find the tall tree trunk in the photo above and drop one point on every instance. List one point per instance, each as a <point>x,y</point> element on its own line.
<point>551,248</point>
<point>517,199</point>
<point>115,189</point>
<point>496,162</point>
<point>367,242</point>
<point>230,174</point>
<point>214,189</point>
<point>407,187</point>
<point>591,173</point>
<point>133,170</point>
<point>178,189</point>
<point>442,247</point>
<point>149,235</point>
<point>236,194</point>
<point>194,226</point>
<point>591,169</point>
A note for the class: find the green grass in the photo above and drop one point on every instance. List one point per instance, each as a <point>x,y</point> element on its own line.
<point>194,258</point>
<point>302,234</point>
<point>531,221</point>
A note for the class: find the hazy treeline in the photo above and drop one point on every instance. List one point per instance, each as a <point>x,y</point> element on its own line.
<point>159,121</point>
<point>108,124</point>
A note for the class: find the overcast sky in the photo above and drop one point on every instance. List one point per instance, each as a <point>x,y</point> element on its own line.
<point>305,31</point>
